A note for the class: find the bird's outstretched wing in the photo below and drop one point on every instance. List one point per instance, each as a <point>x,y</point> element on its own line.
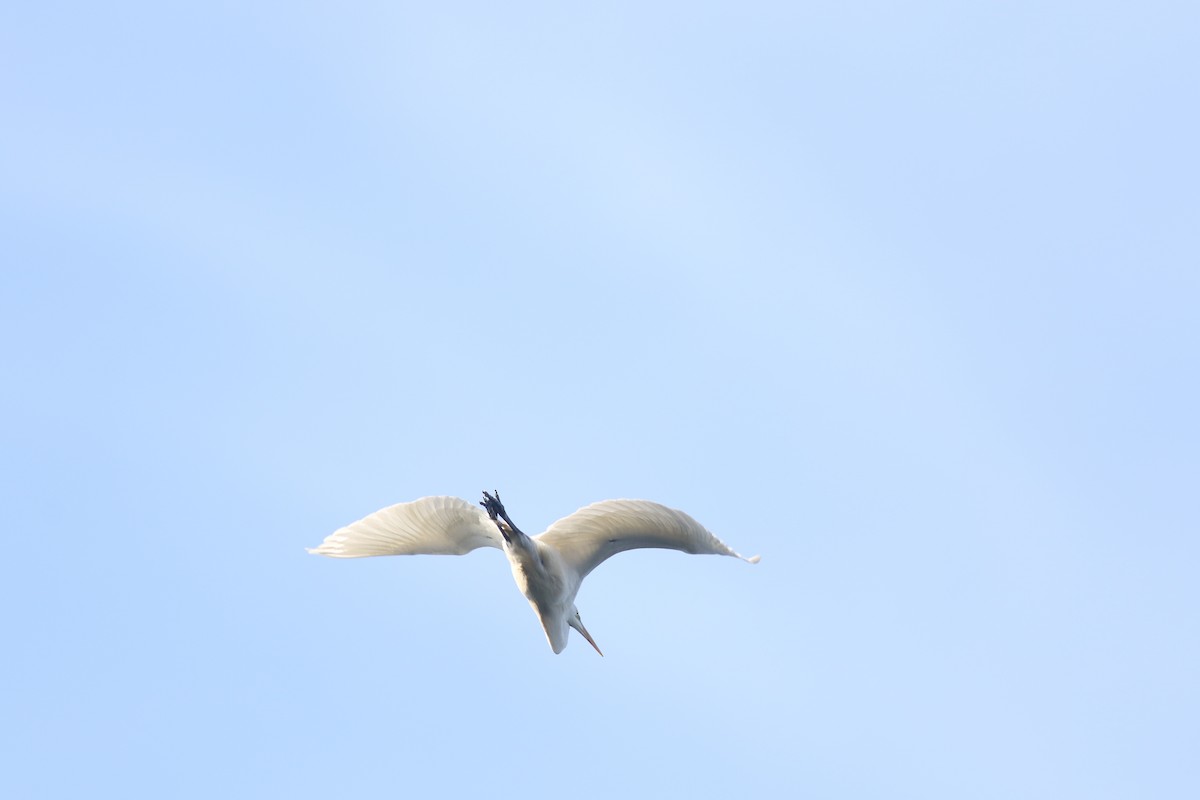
<point>430,526</point>
<point>593,533</point>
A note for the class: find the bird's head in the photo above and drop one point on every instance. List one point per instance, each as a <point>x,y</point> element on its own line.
<point>577,623</point>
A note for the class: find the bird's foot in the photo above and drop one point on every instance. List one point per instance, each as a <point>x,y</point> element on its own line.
<point>495,510</point>
<point>492,505</point>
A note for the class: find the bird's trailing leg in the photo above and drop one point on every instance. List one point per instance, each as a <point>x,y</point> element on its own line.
<point>496,512</point>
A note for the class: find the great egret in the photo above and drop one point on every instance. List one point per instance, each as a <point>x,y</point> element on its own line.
<point>548,567</point>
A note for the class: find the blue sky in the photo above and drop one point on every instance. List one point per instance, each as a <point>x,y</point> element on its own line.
<point>903,297</point>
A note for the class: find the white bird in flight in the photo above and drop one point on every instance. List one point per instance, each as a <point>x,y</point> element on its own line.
<point>548,567</point>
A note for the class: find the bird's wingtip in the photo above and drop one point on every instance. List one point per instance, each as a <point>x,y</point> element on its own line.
<point>751,559</point>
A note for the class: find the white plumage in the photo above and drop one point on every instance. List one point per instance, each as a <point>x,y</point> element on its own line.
<point>549,567</point>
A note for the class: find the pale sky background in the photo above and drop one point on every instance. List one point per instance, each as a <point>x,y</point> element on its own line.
<point>904,297</point>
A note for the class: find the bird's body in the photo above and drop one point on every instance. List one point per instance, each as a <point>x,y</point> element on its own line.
<point>548,568</point>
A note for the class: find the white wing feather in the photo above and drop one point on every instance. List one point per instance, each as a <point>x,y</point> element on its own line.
<point>596,532</point>
<point>429,526</point>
